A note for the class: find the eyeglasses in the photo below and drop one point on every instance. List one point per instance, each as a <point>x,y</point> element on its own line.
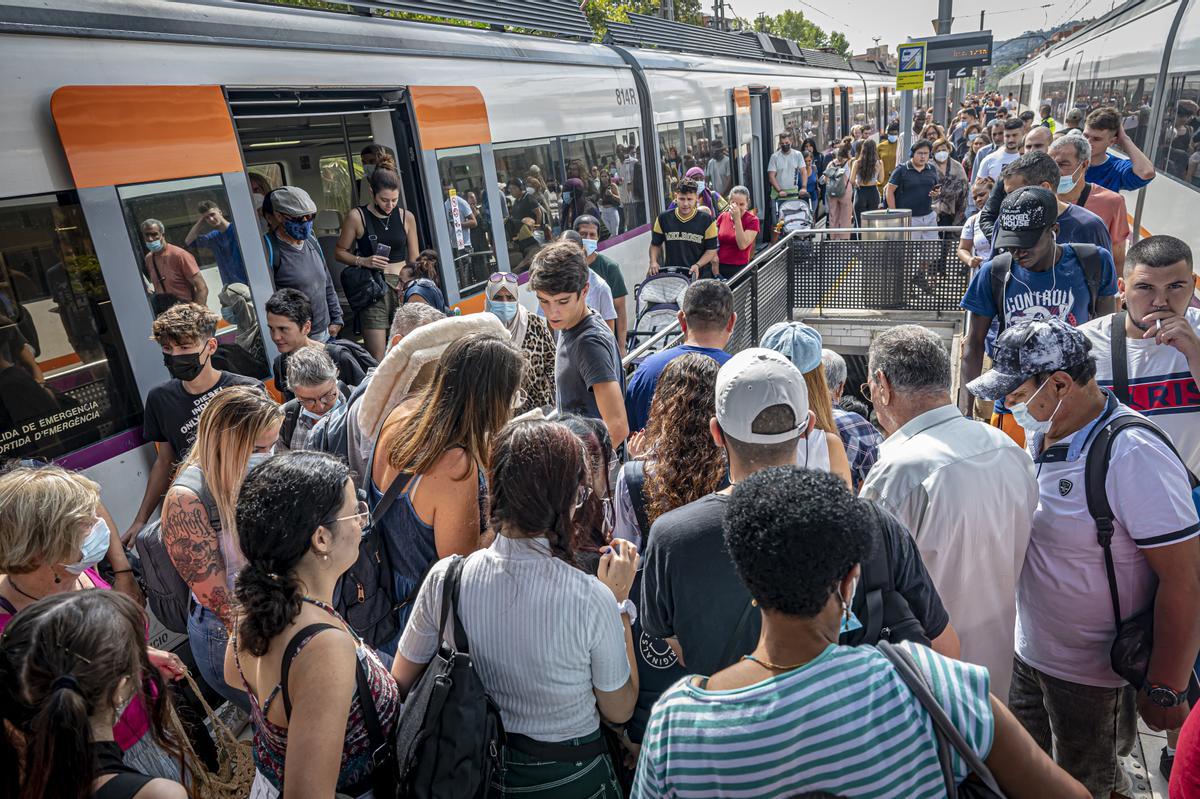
<point>302,218</point>
<point>865,390</point>
<point>503,277</point>
<point>519,399</point>
<point>585,491</point>
<point>328,398</point>
<point>362,514</point>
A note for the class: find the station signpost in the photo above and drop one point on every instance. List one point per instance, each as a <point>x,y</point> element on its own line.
<point>910,77</point>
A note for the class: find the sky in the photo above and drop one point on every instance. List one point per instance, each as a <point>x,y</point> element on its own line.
<point>895,21</point>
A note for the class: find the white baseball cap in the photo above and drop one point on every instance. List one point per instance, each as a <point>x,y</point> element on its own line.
<point>752,381</point>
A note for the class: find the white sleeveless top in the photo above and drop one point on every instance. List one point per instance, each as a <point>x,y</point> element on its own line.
<point>813,451</point>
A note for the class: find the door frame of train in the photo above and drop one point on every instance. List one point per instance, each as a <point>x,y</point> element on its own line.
<point>762,139</point>
<point>109,143</point>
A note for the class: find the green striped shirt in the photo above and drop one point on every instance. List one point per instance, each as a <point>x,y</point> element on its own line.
<point>844,723</point>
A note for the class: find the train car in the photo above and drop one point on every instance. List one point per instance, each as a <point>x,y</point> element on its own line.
<point>1144,59</point>
<point>117,111</point>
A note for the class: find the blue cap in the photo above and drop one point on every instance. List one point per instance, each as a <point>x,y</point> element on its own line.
<point>798,342</point>
<point>428,291</point>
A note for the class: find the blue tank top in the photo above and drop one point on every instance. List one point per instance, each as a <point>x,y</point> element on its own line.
<point>409,540</point>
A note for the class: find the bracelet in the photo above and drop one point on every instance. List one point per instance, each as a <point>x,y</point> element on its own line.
<point>122,571</point>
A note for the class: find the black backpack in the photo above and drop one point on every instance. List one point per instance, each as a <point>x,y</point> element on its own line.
<point>166,592</point>
<point>883,611</point>
<point>449,735</point>
<point>365,360</point>
<point>1093,274</point>
<point>365,595</point>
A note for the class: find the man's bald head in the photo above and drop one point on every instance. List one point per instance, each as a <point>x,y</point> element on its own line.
<point>1038,140</point>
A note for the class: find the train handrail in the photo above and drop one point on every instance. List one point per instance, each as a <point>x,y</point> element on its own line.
<point>769,253</point>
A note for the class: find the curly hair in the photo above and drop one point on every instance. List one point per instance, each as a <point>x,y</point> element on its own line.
<point>687,463</point>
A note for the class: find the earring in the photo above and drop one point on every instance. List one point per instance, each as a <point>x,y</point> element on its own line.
<point>57,578</point>
<point>845,610</point>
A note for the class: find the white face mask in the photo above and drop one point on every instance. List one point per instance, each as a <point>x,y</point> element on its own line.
<point>94,548</point>
<point>941,156</point>
<point>1026,420</point>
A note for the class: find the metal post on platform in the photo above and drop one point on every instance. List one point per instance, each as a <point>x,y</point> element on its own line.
<point>906,118</point>
<point>940,77</point>
<point>754,306</point>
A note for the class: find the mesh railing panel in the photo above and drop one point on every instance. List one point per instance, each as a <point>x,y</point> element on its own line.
<point>878,275</point>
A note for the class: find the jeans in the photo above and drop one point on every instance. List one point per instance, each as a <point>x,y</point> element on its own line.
<point>207,638</point>
<point>1084,728</point>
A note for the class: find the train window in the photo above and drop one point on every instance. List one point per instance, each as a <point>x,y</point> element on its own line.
<point>1179,149</point>
<point>1055,93</point>
<point>341,183</point>
<point>64,376</point>
<point>531,172</point>
<point>187,251</point>
<point>1026,90</point>
<point>465,203</point>
<point>617,154</point>
<point>670,147</point>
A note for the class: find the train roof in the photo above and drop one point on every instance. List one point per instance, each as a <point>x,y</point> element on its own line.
<point>1109,21</point>
<point>231,22</point>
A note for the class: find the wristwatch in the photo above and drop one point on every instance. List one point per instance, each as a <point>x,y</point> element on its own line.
<point>627,608</point>
<point>1163,696</point>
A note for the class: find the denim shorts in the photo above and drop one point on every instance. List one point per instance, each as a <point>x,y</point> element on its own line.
<point>207,638</point>
<point>1085,729</point>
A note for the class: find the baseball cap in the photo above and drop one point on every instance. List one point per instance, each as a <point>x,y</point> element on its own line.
<point>292,201</point>
<point>1027,349</point>
<point>1024,216</point>
<point>797,342</point>
<point>752,381</point>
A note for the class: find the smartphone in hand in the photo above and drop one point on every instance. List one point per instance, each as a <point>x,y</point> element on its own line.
<point>383,250</point>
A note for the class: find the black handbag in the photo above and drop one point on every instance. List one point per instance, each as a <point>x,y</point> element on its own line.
<point>363,287</point>
<point>980,784</point>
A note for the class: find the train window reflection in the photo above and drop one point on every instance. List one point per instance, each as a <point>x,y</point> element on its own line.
<point>614,159</point>
<point>465,203</point>
<point>187,251</point>
<point>531,173</point>
<point>1179,149</point>
<point>64,376</point>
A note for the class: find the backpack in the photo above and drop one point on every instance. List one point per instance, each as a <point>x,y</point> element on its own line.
<point>275,256</point>
<point>883,611</point>
<point>166,592</point>
<point>330,434</point>
<point>1131,648</point>
<point>364,595</point>
<point>449,735</point>
<point>1093,274</point>
<point>365,360</point>
<point>635,481</point>
<point>836,178</point>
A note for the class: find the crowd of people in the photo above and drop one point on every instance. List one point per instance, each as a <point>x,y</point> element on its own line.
<point>716,574</point>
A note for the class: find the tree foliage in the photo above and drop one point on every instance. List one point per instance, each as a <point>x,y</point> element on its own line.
<point>794,25</point>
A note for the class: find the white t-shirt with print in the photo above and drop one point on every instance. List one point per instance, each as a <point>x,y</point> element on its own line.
<point>1161,385</point>
<point>981,245</point>
<point>1065,625</point>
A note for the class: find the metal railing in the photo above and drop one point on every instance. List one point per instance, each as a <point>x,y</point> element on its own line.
<point>810,269</point>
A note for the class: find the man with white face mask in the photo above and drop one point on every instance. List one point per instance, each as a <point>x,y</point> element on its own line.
<point>1064,689</point>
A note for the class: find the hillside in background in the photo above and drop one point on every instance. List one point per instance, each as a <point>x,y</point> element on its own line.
<point>1011,53</point>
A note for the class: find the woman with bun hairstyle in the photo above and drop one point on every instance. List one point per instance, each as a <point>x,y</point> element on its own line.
<point>68,664</point>
<point>380,235</point>
<point>295,656</point>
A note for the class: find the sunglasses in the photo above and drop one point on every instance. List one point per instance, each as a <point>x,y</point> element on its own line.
<point>503,277</point>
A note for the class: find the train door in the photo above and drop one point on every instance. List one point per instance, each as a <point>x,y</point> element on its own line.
<point>762,144</point>
<point>1060,113</point>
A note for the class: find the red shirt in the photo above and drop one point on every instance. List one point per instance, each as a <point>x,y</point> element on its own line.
<point>1185,774</point>
<point>728,251</point>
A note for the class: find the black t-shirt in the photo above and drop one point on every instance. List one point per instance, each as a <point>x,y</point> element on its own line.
<point>586,356</point>
<point>172,414</point>
<point>691,591</point>
<point>349,370</point>
<point>913,187</point>
<point>684,241</point>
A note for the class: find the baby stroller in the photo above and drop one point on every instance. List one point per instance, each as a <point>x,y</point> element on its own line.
<point>793,215</point>
<point>656,301</point>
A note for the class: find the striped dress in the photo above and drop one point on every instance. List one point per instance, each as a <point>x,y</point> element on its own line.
<point>844,723</point>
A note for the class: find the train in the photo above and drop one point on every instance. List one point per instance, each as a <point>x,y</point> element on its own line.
<point>1143,58</point>
<point>117,111</point>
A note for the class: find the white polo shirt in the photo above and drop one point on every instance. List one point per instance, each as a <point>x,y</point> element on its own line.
<point>1065,624</point>
<point>994,164</point>
<point>1161,386</point>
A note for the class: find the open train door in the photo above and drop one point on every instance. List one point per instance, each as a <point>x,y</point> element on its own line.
<point>758,146</point>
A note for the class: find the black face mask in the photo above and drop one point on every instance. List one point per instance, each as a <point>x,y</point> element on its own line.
<point>785,147</point>
<point>184,367</point>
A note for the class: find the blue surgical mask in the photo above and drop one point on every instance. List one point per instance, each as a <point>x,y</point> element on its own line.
<point>1066,183</point>
<point>1026,420</point>
<point>315,417</point>
<point>589,246</point>
<point>95,546</point>
<point>566,197</point>
<point>154,246</point>
<point>505,311</point>
<point>892,138</point>
<point>299,231</point>
<point>699,186</point>
<point>852,623</point>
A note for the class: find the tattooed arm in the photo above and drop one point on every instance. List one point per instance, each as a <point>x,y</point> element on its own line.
<point>195,549</point>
